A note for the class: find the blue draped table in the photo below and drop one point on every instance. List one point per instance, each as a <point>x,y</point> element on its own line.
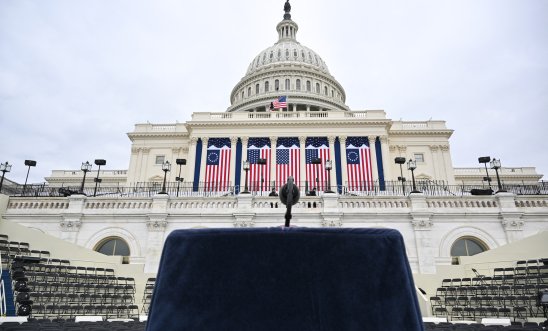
<point>302,279</point>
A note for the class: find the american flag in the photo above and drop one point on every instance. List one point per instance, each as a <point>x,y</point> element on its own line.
<point>358,161</point>
<point>259,174</point>
<point>288,156</point>
<point>218,164</point>
<point>281,102</point>
<point>316,175</point>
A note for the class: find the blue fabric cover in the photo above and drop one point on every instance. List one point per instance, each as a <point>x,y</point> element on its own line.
<point>300,279</point>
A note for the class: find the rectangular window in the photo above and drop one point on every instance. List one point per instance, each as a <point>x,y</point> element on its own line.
<point>160,159</point>
<point>419,157</point>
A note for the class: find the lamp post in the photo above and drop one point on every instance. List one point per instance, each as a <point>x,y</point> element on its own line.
<point>412,165</point>
<point>495,164</point>
<point>401,160</point>
<point>29,163</point>
<point>166,166</point>
<point>317,161</point>
<point>4,167</point>
<point>180,162</point>
<point>86,167</point>
<point>246,169</point>
<point>328,167</point>
<point>485,160</point>
<point>97,180</point>
<point>262,163</point>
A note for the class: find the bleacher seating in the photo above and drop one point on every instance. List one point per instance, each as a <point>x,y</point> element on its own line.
<point>147,295</point>
<point>59,290</point>
<point>507,292</point>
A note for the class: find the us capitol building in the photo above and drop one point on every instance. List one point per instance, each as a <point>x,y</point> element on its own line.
<point>288,117</point>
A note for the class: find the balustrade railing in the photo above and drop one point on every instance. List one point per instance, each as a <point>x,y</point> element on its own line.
<point>263,188</point>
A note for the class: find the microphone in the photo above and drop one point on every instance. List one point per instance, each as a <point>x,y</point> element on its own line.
<point>289,195</point>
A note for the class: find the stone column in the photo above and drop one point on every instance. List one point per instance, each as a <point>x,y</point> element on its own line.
<point>342,141</point>
<point>385,155</point>
<point>435,160</point>
<point>447,166</point>
<point>204,160</point>
<point>302,170</point>
<point>233,170</point>
<point>333,172</point>
<point>273,141</point>
<point>245,140</point>
<point>373,151</point>
<point>422,226</point>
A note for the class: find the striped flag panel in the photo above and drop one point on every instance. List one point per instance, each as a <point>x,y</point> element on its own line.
<point>259,174</point>
<point>358,160</point>
<point>316,175</point>
<point>288,156</point>
<point>217,176</point>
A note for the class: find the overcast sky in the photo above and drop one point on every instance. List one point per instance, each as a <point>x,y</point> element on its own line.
<point>75,76</point>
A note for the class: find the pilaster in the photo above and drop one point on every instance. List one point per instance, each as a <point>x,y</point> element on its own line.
<point>421,221</point>
<point>342,140</point>
<point>204,160</point>
<point>511,218</point>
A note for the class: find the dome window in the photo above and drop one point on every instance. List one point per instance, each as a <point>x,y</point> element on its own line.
<point>249,91</point>
<point>308,86</point>
<point>325,90</point>
<point>295,53</point>
<point>318,88</point>
<point>298,84</point>
<point>287,84</point>
<point>302,55</point>
<point>257,89</point>
<point>277,85</point>
<point>279,54</point>
<point>287,54</point>
<point>266,86</point>
<point>242,95</point>
<point>271,55</point>
<point>332,93</point>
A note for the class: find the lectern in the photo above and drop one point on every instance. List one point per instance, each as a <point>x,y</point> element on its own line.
<point>285,278</point>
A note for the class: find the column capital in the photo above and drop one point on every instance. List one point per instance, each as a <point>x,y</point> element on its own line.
<point>233,140</point>
<point>70,225</point>
<point>245,140</point>
<point>273,139</point>
<point>422,224</point>
<point>343,139</point>
<point>156,225</point>
<point>383,139</point>
<point>193,140</point>
<point>331,140</point>
<point>434,148</point>
<point>444,148</point>
<point>371,140</point>
<point>515,224</point>
<point>332,222</point>
<point>302,140</point>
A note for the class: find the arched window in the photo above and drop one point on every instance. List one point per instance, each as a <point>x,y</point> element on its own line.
<point>266,85</point>
<point>325,90</point>
<point>298,84</point>
<point>308,86</point>
<point>113,246</point>
<point>249,91</point>
<point>287,84</point>
<point>467,246</point>
<point>257,89</point>
<point>276,85</point>
<point>242,94</point>
<point>317,88</point>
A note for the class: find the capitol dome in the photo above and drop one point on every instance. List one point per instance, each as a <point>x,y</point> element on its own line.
<point>288,69</point>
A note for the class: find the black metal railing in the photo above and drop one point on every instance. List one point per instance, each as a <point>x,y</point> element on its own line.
<point>205,189</point>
